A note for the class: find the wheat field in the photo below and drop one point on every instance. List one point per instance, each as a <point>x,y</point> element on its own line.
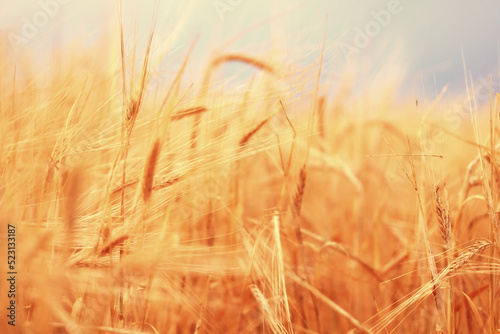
<point>268,206</point>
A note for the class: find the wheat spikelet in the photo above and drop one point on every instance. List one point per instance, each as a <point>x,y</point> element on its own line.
<point>132,111</point>
<point>243,59</point>
<point>188,112</point>
<point>164,182</point>
<point>443,217</point>
<point>464,256</point>
<point>109,247</point>
<point>149,171</point>
<point>249,135</point>
<point>429,287</point>
<point>269,315</point>
<point>299,193</point>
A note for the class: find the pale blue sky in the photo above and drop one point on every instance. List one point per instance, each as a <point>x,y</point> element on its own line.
<point>422,36</point>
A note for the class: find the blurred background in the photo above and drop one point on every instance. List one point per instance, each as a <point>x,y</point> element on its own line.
<point>417,44</point>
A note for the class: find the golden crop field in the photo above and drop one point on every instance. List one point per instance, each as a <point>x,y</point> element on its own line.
<point>201,205</point>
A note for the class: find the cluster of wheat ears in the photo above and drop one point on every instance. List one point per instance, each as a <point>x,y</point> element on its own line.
<point>261,207</point>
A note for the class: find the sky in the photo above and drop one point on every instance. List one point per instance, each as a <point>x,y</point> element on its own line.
<point>422,42</point>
